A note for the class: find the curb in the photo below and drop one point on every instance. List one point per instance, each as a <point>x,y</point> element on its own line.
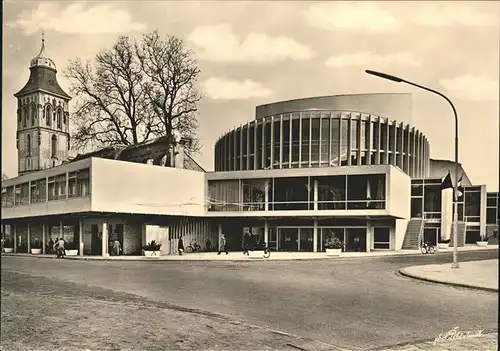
<point>435,281</point>
<point>143,259</point>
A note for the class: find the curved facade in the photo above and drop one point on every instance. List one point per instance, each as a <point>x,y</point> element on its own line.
<point>322,138</point>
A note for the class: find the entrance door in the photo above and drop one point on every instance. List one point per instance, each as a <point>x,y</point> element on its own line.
<point>288,239</point>
<point>96,240</point>
<point>355,239</point>
<point>306,239</point>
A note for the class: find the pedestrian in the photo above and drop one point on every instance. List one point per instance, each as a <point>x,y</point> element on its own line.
<point>222,244</point>
<point>51,246</point>
<point>180,246</point>
<point>246,243</point>
<point>59,248</point>
<point>208,245</point>
<point>116,247</point>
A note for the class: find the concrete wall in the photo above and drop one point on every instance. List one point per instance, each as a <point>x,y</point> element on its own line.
<point>399,233</point>
<point>392,106</point>
<point>399,193</point>
<point>126,187</point>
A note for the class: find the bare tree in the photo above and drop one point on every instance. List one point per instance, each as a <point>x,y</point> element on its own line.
<point>120,94</point>
<point>171,85</point>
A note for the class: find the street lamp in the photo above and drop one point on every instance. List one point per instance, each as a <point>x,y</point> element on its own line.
<point>455,188</point>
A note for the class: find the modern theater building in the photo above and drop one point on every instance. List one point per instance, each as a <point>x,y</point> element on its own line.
<point>301,172</point>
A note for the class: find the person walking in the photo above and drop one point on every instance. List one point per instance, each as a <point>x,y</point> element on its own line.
<point>180,246</point>
<point>116,247</point>
<point>222,244</point>
<point>51,246</point>
<point>246,243</point>
<point>59,248</point>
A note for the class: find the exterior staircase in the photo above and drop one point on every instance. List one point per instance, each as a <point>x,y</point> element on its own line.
<point>412,235</point>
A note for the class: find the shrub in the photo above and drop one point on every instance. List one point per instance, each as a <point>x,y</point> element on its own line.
<point>485,237</point>
<point>152,246</point>
<point>334,243</point>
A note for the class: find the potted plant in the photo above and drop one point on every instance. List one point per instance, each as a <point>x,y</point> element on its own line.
<point>483,241</point>
<point>152,249</point>
<point>36,247</point>
<point>71,249</point>
<point>334,246</point>
<point>443,244</point>
<point>8,246</point>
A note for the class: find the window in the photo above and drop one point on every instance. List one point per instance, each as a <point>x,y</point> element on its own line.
<point>365,135</point>
<point>335,141</point>
<point>251,152</point>
<point>472,204</point>
<point>238,149</point>
<point>291,194</point>
<point>51,188</point>
<point>223,195</point>
<point>286,141</point>
<point>344,141</point>
<point>254,194</point>
<point>383,137</point>
<point>491,216</point>
<point>315,132</point>
<point>432,199</point>
<point>83,181</point>
<point>8,197</point>
<point>24,194</point>
<point>354,134</point>
<point>376,136</point>
<point>72,184</point>
<point>325,140</point>
<point>28,144</point>
<point>416,207</point>
<point>366,191</point>
<point>267,156</point>
<point>59,118</point>
<point>244,149</point>
<point>295,139</point>
<point>38,191</point>
<point>54,146</point>
<point>276,132</point>
<point>381,238</point>
<point>331,193</point>
<point>259,146</point>
<point>33,114</point>
<point>392,136</point>
<point>61,186</point>
<point>305,138</point>
<point>48,115</point>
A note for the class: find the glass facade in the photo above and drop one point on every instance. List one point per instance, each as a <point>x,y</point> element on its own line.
<point>322,139</point>
<point>344,192</point>
<point>61,186</point>
<point>492,208</point>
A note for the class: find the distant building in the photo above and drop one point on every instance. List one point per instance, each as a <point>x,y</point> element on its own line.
<point>300,173</point>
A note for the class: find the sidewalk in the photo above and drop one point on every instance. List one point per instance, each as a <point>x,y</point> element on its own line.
<point>481,275</point>
<point>275,256</point>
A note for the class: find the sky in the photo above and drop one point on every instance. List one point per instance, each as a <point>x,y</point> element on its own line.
<point>253,53</point>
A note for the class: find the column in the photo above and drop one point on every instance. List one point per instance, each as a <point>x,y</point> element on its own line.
<point>104,239</point>
<point>315,236</point>
<point>220,234</point>
<point>60,228</point>
<point>266,232</point>
<point>80,231</point>
<point>43,239</point>
<point>15,233</point>
<point>368,235</point>
<point>266,196</point>
<point>315,195</point>
<point>29,238</point>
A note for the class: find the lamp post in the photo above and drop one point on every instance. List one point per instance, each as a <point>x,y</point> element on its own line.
<point>455,188</point>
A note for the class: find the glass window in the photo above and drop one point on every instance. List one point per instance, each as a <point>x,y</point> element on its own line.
<point>277,141</point>
<point>83,181</point>
<point>344,141</point>
<point>432,198</point>
<point>28,144</point>
<point>407,137</point>
<point>254,194</point>
<point>491,216</point>
<point>54,146</point>
<point>252,146</point>
<point>305,138</point>
<point>366,191</point>
<point>24,194</point>
<point>381,238</point>
<point>331,192</point>
<point>38,189</point>
<point>286,141</point>
<point>48,115</point>
<point>267,155</point>
<point>8,197</point>
<point>325,140</point>
<point>391,137</point>
<point>315,133</point>
<point>383,137</point>
<point>376,136</point>
<point>416,207</point>
<point>244,150</point>
<point>72,184</point>
<point>472,204</point>
<point>354,134</point>
<point>335,141</point>
<point>417,190</point>
<point>295,137</point>
<point>259,146</point>
<point>291,193</point>
<point>238,148</point>
<point>491,201</point>
<point>399,138</point>
<point>59,118</point>
<point>365,135</point>
<point>223,195</point>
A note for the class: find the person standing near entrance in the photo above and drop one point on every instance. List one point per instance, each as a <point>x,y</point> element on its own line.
<point>180,246</point>
<point>246,243</point>
<point>222,244</point>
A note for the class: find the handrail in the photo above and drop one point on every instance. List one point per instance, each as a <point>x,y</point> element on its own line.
<point>421,231</point>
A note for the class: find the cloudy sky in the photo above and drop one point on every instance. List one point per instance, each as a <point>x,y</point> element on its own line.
<point>253,53</point>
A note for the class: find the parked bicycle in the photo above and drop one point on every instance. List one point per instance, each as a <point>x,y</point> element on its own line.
<point>193,247</point>
<point>427,247</point>
<point>267,252</point>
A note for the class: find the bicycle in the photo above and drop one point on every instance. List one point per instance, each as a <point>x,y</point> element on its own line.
<point>193,247</point>
<point>427,248</point>
<point>267,252</point>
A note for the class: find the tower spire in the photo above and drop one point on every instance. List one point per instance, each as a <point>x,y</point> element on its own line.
<point>43,45</point>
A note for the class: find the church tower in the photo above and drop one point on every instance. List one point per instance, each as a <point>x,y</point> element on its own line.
<point>42,118</point>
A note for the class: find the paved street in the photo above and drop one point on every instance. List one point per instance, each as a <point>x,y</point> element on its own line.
<point>350,303</point>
